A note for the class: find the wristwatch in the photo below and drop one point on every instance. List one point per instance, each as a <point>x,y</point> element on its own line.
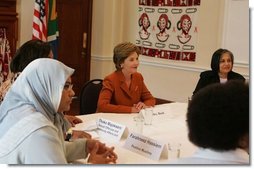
<point>68,135</point>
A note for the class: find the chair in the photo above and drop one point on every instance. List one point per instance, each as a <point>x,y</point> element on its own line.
<point>89,96</point>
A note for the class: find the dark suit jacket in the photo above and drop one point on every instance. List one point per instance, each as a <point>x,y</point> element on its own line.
<point>210,77</point>
<point>115,97</point>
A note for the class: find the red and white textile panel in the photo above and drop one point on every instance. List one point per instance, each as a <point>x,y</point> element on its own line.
<point>168,29</point>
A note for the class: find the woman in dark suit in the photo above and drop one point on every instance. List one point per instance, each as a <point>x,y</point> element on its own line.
<point>221,65</point>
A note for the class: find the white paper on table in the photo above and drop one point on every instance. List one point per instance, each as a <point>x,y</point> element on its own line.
<point>89,126</point>
<point>86,126</point>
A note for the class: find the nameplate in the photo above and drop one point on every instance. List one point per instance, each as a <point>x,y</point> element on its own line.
<point>145,146</point>
<point>155,113</point>
<point>110,130</point>
<point>159,113</point>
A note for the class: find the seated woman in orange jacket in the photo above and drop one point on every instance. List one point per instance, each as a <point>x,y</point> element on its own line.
<point>124,90</point>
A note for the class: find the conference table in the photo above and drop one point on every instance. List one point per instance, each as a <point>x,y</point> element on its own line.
<point>168,126</point>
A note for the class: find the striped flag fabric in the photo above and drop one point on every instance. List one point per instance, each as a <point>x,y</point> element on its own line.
<point>40,20</point>
<point>45,25</point>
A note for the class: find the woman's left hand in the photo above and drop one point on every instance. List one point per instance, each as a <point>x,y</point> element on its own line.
<point>80,134</point>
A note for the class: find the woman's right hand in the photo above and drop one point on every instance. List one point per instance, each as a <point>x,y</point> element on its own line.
<point>134,110</point>
<point>137,107</point>
<point>99,153</point>
<point>107,157</point>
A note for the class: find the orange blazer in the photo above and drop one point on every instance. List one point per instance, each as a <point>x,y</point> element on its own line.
<point>115,97</point>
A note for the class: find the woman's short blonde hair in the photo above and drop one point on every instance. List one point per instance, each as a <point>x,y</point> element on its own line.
<point>122,51</point>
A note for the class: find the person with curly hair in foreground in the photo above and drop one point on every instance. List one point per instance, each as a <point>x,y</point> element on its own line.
<point>218,124</point>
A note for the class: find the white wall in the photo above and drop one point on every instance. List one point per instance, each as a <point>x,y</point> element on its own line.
<point>25,11</point>
<point>236,31</point>
<point>114,21</point>
<point>172,80</point>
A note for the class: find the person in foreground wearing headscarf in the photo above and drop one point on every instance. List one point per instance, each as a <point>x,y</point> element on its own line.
<point>32,124</point>
<point>29,51</point>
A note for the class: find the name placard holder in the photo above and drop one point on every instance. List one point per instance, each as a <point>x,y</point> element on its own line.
<point>111,130</point>
<point>145,146</point>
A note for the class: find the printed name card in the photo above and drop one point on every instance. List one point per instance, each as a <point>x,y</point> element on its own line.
<point>159,113</point>
<point>146,146</point>
<point>110,130</point>
<point>159,110</point>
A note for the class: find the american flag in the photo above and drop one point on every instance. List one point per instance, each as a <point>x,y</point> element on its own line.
<point>40,20</point>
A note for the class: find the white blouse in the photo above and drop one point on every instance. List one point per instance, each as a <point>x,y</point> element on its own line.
<point>208,156</point>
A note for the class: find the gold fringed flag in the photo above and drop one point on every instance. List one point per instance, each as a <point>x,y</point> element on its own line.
<point>5,57</point>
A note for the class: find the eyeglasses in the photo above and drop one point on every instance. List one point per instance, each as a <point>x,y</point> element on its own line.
<point>68,86</point>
